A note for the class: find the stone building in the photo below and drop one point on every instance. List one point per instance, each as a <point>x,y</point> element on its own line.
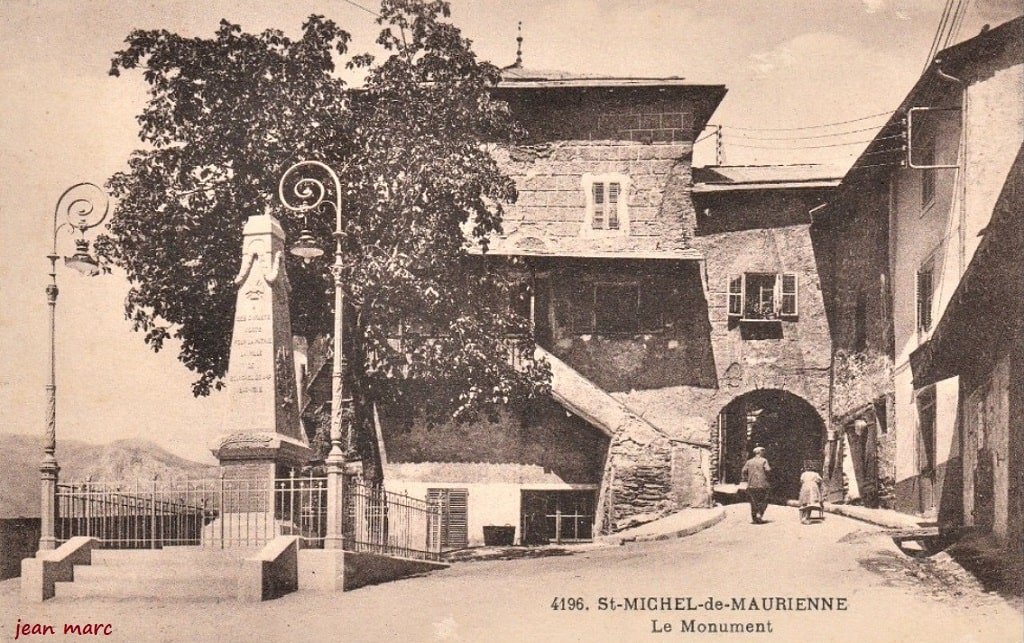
<point>768,331</point>
<point>907,221</point>
<point>851,238</point>
<point>680,309</point>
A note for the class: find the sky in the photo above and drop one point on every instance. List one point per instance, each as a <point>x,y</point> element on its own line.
<point>786,63</point>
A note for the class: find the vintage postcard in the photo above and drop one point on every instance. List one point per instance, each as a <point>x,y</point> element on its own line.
<point>477,320</point>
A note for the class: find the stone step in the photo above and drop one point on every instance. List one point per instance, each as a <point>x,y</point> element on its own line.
<point>169,556</point>
<point>157,573</point>
<point>225,588</point>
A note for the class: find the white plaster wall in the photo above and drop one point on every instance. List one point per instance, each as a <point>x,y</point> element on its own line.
<point>947,403</point>
<point>994,128</point>
<point>487,503</point>
<point>906,423</point>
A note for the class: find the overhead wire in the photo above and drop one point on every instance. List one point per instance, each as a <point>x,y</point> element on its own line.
<point>958,24</point>
<point>814,147</point>
<point>937,38</point>
<point>359,6</point>
<point>706,136</point>
<point>864,167</point>
<point>814,136</point>
<point>807,127</point>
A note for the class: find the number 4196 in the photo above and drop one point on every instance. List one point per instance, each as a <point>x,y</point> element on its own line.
<point>569,604</point>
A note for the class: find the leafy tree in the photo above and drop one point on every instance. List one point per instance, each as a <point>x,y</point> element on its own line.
<point>428,321</point>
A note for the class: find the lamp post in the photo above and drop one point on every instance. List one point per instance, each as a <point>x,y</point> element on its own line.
<point>83,206</point>
<point>309,193</point>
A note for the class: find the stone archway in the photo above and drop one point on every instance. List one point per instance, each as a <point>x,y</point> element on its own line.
<point>790,429</point>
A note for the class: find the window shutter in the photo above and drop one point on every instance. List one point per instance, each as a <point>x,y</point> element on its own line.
<point>924,299</point>
<point>613,206</point>
<point>790,295</point>
<point>597,221</point>
<point>458,518</point>
<point>776,305</point>
<point>454,510</point>
<point>736,295</point>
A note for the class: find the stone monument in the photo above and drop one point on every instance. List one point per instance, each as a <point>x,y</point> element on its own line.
<point>262,436</point>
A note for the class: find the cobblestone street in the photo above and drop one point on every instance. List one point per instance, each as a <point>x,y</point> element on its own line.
<point>890,597</point>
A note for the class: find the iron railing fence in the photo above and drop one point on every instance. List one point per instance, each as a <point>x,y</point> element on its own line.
<point>213,512</point>
<point>382,522</point>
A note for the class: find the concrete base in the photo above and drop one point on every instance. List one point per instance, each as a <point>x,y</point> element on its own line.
<point>39,575</point>
<point>258,449</point>
<point>329,570</point>
<point>322,570</point>
<point>272,573</point>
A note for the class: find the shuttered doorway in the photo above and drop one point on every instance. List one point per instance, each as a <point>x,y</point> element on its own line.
<point>454,511</point>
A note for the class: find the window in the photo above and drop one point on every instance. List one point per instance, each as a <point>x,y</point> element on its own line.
<point>763,296</point>
<point>656,301</point>
<point>923,286</point>
<point>788,305</point>
<point>606,206</point>
<point>927,176</point>
<point>576,307</point>
<point>521,300</point>
<point>606,211</point>
<point>559,516</point>
<point>616,308</point>
<point>736,296</point>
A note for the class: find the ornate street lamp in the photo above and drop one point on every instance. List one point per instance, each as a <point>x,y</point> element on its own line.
<point>309,193</point>
<point>83,206</point>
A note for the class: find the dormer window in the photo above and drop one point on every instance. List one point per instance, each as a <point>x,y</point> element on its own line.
<point>606,212</point>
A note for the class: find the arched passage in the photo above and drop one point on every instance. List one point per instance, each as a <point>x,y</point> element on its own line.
<point>786,425</point>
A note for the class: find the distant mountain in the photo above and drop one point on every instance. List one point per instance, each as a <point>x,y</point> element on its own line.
<point>119,460</point>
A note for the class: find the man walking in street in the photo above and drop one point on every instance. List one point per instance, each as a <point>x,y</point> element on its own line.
<point>755,474</point>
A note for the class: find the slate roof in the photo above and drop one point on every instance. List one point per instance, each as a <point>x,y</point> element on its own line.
<point>524,76</point>
<point>717,178</point>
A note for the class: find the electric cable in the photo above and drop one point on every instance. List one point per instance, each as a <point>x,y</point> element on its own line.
<point>807,127</point>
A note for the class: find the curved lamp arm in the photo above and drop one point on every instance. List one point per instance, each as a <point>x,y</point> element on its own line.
<point>309,192</point>
<point>84,205</point>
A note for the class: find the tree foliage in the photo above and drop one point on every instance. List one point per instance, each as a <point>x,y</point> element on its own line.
<point>227,116</point>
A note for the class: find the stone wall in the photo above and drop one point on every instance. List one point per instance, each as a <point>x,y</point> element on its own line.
<point>549,213</point>
<point>19,538</point>
<point>649,475</point>
<point>795,356</point>
<point>642,115</point>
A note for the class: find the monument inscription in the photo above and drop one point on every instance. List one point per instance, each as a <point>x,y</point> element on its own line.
<point>261,374</point>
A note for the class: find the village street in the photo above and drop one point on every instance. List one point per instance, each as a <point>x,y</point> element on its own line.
<point>890,597</point>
